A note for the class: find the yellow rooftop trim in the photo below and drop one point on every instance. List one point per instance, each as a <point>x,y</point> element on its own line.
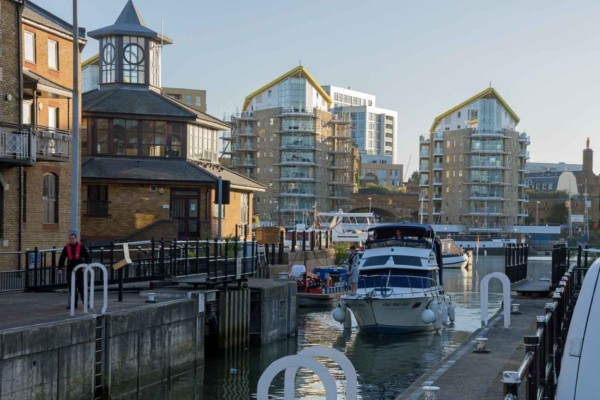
<point>283,77</point>
<point>91,60</point>
<point>479,95</point>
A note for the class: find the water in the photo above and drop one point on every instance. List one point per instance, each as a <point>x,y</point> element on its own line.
<point>385,365</point>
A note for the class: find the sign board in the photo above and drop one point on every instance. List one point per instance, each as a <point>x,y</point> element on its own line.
<point>577,218</point>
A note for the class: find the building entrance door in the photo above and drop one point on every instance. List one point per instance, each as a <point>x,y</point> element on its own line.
<point>185,210</point>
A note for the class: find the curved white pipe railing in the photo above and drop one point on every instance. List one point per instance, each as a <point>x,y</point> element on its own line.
<point>89,269</point>
<point>505,294</point>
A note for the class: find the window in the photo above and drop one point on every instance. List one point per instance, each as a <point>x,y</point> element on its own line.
<point>52,54</point>
<point>244,209</point>
<point>52,117</point>
<point>108,60</point>
<point>50,199</point>
<point>134,62</point>
<point>458,114</point>
<point>188,99</point>
<point>97,201</point>
<point>198,101</point>
<point>30,46</point>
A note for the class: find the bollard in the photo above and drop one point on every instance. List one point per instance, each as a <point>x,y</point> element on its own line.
<point>151,297</point>
<point>430,392</point>
<point>480,346</point>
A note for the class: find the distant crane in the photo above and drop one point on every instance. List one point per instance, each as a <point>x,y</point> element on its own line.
<point>406,169</point>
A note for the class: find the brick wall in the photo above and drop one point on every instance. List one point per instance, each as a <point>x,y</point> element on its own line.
<point>9,62</point>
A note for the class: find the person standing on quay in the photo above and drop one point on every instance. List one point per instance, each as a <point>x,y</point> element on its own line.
<point>353,269</point>
<point>74,253</point>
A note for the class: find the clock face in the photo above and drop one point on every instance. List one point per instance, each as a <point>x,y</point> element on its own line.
<point>108,53</point>
<point>133,54</point>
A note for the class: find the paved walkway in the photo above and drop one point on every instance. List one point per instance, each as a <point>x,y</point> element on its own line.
<point>466,375</point>
<point>18,309</point>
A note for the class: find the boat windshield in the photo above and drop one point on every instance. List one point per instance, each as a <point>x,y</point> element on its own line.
<point>398,260</point>
<point>449,247</point>
<point>417,242</point>
<point>397,278</point>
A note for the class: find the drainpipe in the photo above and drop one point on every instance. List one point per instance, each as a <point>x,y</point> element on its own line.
<point>19,98</point>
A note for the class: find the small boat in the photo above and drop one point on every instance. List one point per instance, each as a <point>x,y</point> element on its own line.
<point>453,256</point>
<point>400,282</point>
<point>321,288</point>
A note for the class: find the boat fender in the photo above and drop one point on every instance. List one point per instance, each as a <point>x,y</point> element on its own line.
<point>427,316</point>
<point>444,312</point>
<point>452,312</point>
<point>433,306</point>
<point>339,314</point>
<point>329,282</point>
<point>437,324</point>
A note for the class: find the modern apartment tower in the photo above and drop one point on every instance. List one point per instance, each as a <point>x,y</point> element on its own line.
<point>374,129</point>
<point>286,138</point>
<point>472,167</point>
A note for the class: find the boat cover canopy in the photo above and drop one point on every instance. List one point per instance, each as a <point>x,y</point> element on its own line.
<point>385,231</point>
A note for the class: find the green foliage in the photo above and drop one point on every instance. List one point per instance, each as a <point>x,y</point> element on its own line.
<point>414,178</point>
<point>342,251</point>
<point>558,214</point>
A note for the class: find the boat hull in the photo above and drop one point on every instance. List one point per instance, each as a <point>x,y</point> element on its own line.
<point>459,261</point>
<point>388,315</point>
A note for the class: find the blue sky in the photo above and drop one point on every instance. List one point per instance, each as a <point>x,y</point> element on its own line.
<point>419,57</point>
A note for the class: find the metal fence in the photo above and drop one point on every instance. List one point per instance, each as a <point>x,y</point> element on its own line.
<point>540,367</point>
<point>515,261</point>
<point>216,262</point>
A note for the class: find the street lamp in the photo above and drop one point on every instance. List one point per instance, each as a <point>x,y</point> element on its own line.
<point>537,206</point>
<point>369,204</point>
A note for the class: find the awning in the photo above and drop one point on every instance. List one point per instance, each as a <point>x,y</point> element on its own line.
<point>32,81</point>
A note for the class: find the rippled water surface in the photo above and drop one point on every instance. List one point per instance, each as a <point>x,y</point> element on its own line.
<point>386,365</point>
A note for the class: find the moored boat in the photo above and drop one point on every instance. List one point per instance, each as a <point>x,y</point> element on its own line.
<point>400,282</point>
<point>321,288</point>
<point>453,256</point>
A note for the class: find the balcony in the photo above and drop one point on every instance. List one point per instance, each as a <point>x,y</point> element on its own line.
<point>53,144</point>
<point>437,182</point>
<point>438,152</point>
<point>424,182</point>
<point>523,138</point>
<point>524,199</point>
<point>245,115</point>
<point>438,137</point>
<point>486,196</point>
<point>297,193</point>
<point>486,165</point>
<point>437,166</point>
<point>424,168</point>
<point>17,147</point>
<point>488,133</point>
<point>493,212</point>
<point>286,111</point>
<point>300,177</point>
<point>524,154</point>
<point>424,154</point>
<point>28,145</point>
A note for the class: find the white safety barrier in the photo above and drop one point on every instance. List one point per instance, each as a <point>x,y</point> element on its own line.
<point>89,269</point>
<point>304,359</point>
<point>485,282</point>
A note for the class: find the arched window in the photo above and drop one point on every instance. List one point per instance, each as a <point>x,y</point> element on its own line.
<point>50,199</point>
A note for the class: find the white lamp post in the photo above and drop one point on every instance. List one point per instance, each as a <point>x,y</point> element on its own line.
<point>369,204</point>
<point>537,206</point>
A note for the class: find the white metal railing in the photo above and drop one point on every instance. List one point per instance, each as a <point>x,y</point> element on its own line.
<point>18,145</point>
<point>88,291</point>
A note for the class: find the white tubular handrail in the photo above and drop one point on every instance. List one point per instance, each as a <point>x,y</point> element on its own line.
<point>89,269</point>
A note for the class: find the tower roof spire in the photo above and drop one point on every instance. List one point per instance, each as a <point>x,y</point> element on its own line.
<point>130,23</point>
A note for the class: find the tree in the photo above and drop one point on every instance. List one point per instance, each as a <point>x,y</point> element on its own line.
<point>414,178</point>
<point>558,213</point>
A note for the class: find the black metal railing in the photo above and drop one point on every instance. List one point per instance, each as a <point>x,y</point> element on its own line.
<point>544,349</point>
<point>217,261</point>
<point>515,261</point>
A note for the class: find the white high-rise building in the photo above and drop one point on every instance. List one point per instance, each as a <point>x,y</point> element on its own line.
<point>374,129</point>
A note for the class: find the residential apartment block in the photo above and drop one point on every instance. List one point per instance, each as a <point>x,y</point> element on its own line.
<point>286,138</point>
<point>374,129</point>
<point>35,127</point>
<point>379,170</point>
<point>472,166</point>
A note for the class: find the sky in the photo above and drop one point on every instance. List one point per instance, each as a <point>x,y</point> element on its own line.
<point>420,58</point>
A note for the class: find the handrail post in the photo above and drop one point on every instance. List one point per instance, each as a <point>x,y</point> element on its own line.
<point>293,240</point>
<point>272,253</point>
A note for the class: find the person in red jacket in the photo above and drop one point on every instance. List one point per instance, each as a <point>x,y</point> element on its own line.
<point>74,253</point>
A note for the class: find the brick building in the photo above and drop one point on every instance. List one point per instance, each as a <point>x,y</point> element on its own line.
<point>36,119</point>
<point>150,163</point>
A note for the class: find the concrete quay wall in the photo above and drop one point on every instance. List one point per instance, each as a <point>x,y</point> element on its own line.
<point>146,351</point>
